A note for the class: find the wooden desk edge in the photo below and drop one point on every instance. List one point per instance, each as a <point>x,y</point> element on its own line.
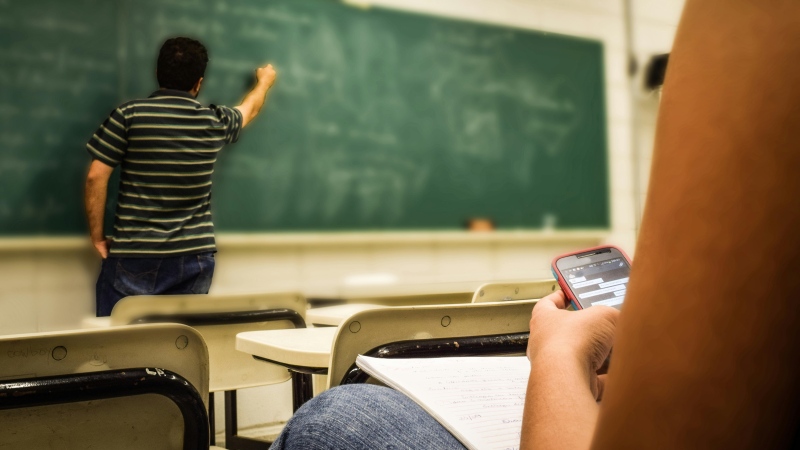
<point>235,241</point>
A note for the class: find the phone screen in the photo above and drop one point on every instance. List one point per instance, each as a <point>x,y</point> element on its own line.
<point>599,283</point>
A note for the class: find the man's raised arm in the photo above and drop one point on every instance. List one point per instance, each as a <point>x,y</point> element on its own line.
<point>255,99</point>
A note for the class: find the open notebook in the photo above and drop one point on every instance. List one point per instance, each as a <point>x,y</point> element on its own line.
<point>478,399</point>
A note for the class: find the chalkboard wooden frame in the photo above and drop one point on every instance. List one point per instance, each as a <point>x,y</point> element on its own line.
<point>236,241</point>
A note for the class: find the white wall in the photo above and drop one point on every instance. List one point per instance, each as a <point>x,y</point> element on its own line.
<point>50,289</point>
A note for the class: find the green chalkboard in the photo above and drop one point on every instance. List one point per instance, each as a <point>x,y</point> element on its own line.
<point>380,119</point>
<point>59,75</point>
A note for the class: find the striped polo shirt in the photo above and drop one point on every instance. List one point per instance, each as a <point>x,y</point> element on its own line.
<point>166,145</point>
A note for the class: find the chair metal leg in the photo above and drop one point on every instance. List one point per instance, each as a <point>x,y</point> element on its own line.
<point>232,439</point>
<point>211,419</point>
<point>302,388</point>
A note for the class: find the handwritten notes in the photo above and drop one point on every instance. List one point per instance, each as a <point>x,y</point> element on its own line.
<point>478,399</point>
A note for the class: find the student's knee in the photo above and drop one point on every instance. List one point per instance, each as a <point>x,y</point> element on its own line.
<point>335,418</point>
<point>343,402</point>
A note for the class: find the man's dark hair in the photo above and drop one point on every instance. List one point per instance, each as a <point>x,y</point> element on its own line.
<point>181,62</point>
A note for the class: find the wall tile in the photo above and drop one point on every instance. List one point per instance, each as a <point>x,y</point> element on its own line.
<point>613,8</point>
<point>334,263</point>
<point>63,309</point>
<point>608,29</point>
<point>659,11</point>
<point>20,311</point>
<point>248,270</point>
<point>526,262</point>
<point>619,105</point>
<point>616,67</point>
<point>17,271</point>
<point>620,140</point>
<point>55,270</point>
<point>652,38</point>
<point>463,263</point>
<point>623,216</point>
<point>405,261</point>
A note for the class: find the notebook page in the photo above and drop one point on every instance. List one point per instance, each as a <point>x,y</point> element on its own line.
<point>478,399</point>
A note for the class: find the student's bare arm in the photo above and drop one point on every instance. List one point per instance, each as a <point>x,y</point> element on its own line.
<point>254,100</point>
<point>565,349</point>
<point>705,352</point>
<point>95,202</point>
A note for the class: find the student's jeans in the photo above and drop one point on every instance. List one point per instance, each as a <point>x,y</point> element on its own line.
<point>363,417</point>
<point>122,277</point>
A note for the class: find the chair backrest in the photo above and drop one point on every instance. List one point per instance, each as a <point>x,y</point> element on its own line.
<point>443,298</point>
<point>82,417</point>
<point>230,315</point>
<point>453,290</point>
<point>367,330</point>
<point>505,291</point>
<point>336,314</point>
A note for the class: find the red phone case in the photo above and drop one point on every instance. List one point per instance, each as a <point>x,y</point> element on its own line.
<point>563,283</point>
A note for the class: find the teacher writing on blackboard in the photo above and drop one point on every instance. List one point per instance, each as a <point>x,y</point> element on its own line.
<point>166,145</point>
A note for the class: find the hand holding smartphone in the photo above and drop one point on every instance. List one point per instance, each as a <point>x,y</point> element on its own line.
<point>595,276</point>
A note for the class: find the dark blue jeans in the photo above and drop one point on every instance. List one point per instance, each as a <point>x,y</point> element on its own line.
<point>123,277</point>
<point>363,417</point>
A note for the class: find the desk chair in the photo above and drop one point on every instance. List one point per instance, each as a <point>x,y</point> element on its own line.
<point>335,315</point>
<point>218,318</point>
<point>121,388</point>
<point>505,291</point>
<point>428,331</point>
<point>435,298</point>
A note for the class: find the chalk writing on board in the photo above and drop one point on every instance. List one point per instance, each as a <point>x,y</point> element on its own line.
<point>34,70</point>
<point>165,24</point>
<point>379,186</point>
<point>256,33</point>
<point>275,14</point>
<point>8,110</point>
<point>186,5</point>
<point>228,63</point>
<point>42,211</point>
<point>54,24</point>
<point>46,112</point>
<point>59,59</point>
<point>13,139</point>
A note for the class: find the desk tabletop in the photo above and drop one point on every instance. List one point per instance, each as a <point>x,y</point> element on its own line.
<point>304,347</point>
<point>96,322</point>
<point>335,315</point>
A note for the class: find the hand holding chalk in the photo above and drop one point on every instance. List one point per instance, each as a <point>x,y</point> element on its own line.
<point>266,75</point>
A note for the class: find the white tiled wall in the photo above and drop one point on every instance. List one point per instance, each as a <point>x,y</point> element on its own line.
<point>47,290</point>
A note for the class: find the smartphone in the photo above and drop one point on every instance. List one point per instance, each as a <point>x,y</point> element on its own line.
<point>595,276</point>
